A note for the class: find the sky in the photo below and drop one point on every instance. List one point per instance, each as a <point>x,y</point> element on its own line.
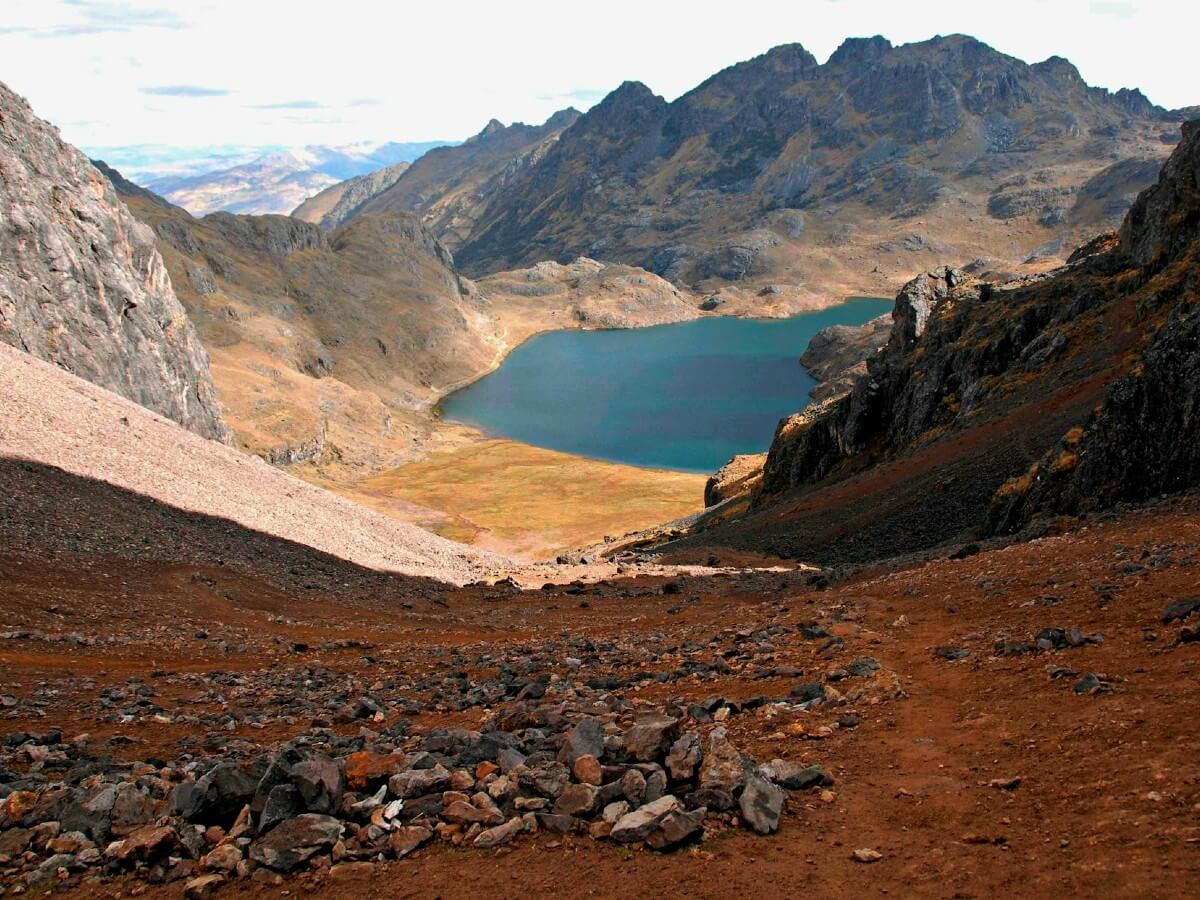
<point>266,72</point>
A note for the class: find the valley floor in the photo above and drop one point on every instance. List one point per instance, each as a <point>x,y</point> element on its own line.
<point>522,501</point>
<point>984,776</point>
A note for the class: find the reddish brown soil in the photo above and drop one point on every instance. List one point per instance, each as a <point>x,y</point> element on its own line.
<point>1109,803</point>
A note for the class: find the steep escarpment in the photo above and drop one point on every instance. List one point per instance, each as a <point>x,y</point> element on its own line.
<point>995,404</point>
<point>82,284</point>
<point>1145,439</point>
<point>851,174</point>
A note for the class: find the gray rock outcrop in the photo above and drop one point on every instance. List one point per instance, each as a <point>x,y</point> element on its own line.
<point>82,283</point>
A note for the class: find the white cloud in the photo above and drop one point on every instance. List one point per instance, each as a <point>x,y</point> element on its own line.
<point>417,71</point>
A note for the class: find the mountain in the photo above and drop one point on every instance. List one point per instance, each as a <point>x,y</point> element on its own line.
<point>334,205</point>
<point>279,181</point>
<point>324,345</point>
<point>449,186</point>
<point>82,284</point>
<point>842,177</point>
<point>997,408</point>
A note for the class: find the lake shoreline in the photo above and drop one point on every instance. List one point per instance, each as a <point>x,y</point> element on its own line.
<point>492,408</point>
<point>434,406</point>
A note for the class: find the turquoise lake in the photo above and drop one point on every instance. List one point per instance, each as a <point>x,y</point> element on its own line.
<point>686,396</point>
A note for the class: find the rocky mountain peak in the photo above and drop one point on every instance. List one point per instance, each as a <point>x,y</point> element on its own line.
<point>863,51</point>
<point>630,109</point>
<point>494,126</point>
<point>82,284</point>
<point>562,119</point>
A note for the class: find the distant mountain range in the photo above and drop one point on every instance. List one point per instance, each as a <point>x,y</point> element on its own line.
<point>253,179</point>
<point>784,174</point>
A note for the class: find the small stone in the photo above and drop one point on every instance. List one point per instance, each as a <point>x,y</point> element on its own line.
<point>684,757</point>
<point>419,782</point>
<point>407,839</point>
<point>637,825</point>
<point>676,828</point>
<point>203,887</point>
<point>294,842</point>
<point>223,858</point>
<point>650,736</point>
<point>587,770</point>
<point>793,776</point>
<point>500,835</point>
<point>866,855</point>
<point>585,739</point>
<point>365,771</point>
<point>579,800</point>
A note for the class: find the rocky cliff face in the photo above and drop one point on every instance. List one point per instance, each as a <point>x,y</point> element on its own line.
<point>1145,438</point>
<point>82,283</point>
<point>994,406</point>
<point>882,161</point>
<point>836,356</point>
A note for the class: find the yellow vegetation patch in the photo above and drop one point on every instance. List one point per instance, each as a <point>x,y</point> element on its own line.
<point>527,501</point>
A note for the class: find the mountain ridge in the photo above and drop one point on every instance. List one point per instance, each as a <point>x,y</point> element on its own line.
<point>783,171</point>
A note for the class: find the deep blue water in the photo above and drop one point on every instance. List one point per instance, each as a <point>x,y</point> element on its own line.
<point>686,396</point>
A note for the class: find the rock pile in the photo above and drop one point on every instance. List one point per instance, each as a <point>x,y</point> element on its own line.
<point>660,779</point>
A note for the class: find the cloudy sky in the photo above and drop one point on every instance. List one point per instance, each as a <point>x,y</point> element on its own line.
<point>259,72</point>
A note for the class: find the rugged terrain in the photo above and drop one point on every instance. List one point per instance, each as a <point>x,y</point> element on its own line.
<point>330,350</point>
<point>1012,404</point>
<point>82,283</point>
<point>841,178</point>
<point>448,186</point>
<point>942,647</point>
<point>939,726</point>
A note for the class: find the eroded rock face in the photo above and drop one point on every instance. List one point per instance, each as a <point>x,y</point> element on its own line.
<point>82,284</point>
<point>738,477</point>
<point>902,392</point>
<point>1145,438</point>
<point>838,355</point>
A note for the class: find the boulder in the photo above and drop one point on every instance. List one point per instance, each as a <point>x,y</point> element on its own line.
<point>639,824</point>
<point>292,843</point>
<point>761,805</point>
<point>217,797</point>
<point>650,736</point>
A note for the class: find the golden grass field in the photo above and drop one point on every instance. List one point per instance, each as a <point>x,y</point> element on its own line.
<point>526,501</point>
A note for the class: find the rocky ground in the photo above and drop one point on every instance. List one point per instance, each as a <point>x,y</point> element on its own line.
<point>974,726</point>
